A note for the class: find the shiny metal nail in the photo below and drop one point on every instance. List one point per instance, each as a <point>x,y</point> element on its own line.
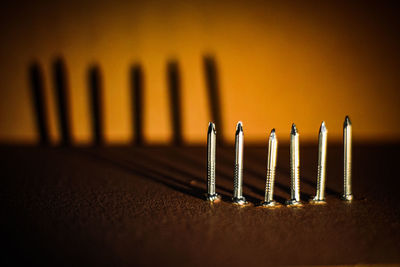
<point>294,168</point>
<point>321,173</point>
<point>271,166</point>
<point>238,197</point>
<point>212,196</point>
<point>347,129</point>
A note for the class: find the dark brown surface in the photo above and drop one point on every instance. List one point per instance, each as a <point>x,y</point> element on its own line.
<point>144,206</point>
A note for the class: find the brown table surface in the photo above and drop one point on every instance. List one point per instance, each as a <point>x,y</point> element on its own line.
<point>145,206</point>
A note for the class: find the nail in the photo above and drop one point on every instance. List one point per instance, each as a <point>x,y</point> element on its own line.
<point>347,129</point>
<point>271,166</point>
<point>238,197</point>
<point>212,196</point>
<point>294,168</point>
<point>321,174</point>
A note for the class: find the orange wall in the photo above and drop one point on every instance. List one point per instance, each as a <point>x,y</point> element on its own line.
<point>279,62</point>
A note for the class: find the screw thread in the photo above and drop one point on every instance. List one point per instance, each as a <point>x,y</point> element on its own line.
<point>211,178</point>
<point>347,178</point>
<point>320,183</point>
<point>269,186</point>
<point>295,187</point>
<point>237,182</point>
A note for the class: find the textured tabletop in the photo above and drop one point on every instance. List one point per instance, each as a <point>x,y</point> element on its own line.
<point>145,206</point>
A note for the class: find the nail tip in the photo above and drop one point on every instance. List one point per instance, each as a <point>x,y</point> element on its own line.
<point>323,127</point>
<point>347,121</point>
<point>211,127</point>
<point>272,134</point>
<point>239,127</point>
<point>294,129</point>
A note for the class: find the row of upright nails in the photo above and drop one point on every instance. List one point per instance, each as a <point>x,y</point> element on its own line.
<point>294,200</point>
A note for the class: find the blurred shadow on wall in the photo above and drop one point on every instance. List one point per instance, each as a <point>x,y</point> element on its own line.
<point>39,101</point>
<point>212,83</point>
<point>95,84</point>
<point>137,91</point>
<point>60,83</point>
<point>95,89</point>
<point>174,86</point>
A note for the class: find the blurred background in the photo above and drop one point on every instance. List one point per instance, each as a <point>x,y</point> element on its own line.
<point>165,66</point>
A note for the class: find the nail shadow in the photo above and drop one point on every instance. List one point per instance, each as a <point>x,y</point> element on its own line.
<point>39,101</point>
<point>62,99</point>
<point>158,174</point>
<point>223,164</point>
<point>282,170</point>
<point>221,175</point>
<point>211,74</point>
<point>257,174</point>
<point>227,176</point>
<point>173,78</point>
<point>168,166</point>
<point>223,191</point>
<point>96,103</point>
<point>309,181</point>
<point>137,91</point>
<point>155,175</point>
<point>261,176</point>
<point>303,196</point>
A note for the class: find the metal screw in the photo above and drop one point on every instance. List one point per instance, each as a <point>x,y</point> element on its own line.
<point>347,129</point>
<point>294,168</point>
<point>271,165</point>
<point>322,147</point>
<point>211,148</point>
<point>238,197</point>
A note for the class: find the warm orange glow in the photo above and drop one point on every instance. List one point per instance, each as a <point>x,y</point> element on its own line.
<point>278,63</point>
